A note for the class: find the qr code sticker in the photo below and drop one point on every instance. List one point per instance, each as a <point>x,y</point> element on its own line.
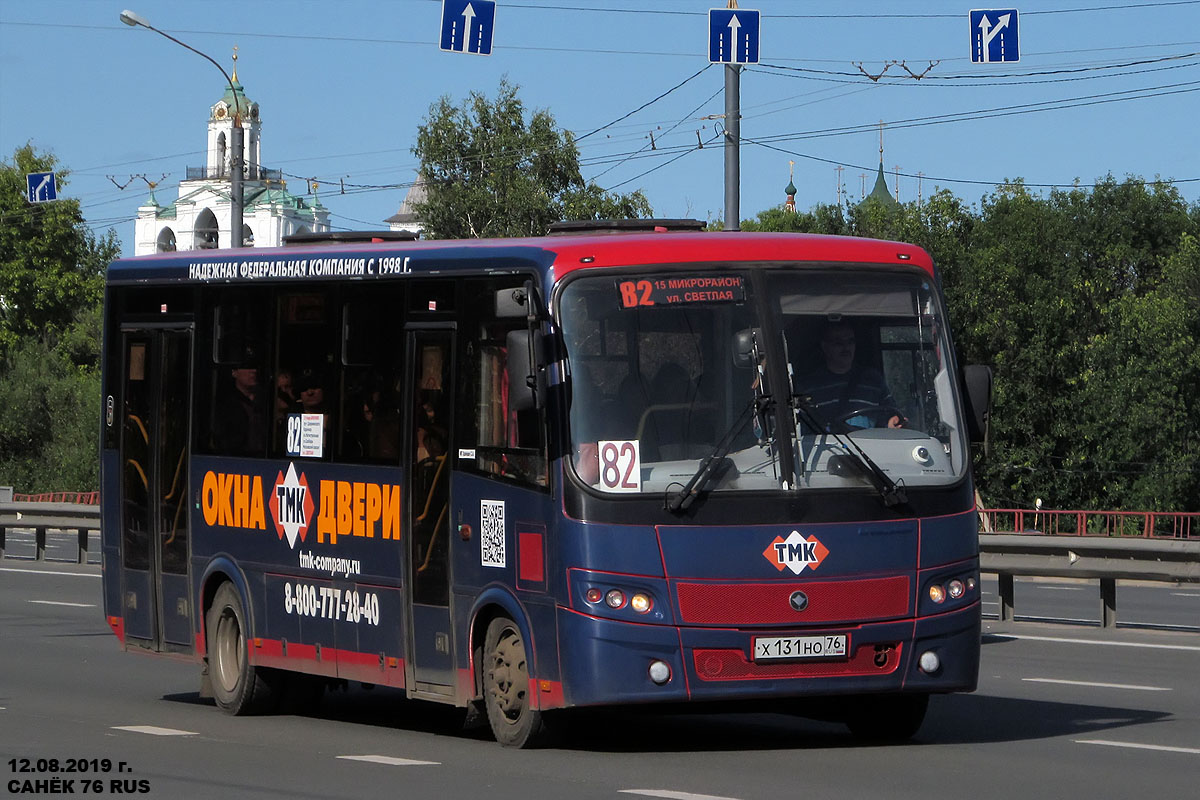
<point>491,533</point>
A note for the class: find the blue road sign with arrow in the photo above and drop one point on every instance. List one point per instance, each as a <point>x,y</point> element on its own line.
<point>733,35</point>
<point>42,187</point>
<point>467,26</point>
<point>994,36</point>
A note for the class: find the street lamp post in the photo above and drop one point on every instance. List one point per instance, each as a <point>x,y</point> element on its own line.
<point>236,191</point>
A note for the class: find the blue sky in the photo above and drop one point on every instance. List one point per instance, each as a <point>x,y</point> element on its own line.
<point>343,86</point>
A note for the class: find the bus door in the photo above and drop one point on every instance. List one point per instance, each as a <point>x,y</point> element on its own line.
<point>427,507</point>
<point>156,390</point>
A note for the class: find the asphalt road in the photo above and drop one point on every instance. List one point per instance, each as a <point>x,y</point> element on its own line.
<point>1062,710</point>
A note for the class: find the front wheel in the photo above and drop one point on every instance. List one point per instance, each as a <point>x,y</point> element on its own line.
<point>237,686</point>
<point>514,722</point>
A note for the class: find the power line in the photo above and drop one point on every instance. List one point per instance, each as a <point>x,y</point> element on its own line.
<point>684,119</point>
<point>999,111</point>
<point>811,157</point>
<point>993,76</point>
<point>577,50</point>
<point>661,12</point>
<point>664,164</point>
<point>648,103</point>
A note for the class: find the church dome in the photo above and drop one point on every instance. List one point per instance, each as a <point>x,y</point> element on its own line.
<point>229,103</point>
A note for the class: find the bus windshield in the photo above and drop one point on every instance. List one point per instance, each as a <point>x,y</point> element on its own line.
<point>668,369</point>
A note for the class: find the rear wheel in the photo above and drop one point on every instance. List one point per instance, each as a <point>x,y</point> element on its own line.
<point>887,718</point>
<point>514,722</point>
<point>237,686</point>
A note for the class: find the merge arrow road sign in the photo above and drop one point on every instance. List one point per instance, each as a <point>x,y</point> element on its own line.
<point>994,36</point>
<point>733,35</point>
<point>467,26</point>
<point>42,187</point>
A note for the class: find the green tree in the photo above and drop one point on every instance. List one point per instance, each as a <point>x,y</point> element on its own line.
<point>51,264</point>
<point>49,419</point>
<point>489,171</point>
<point>51,278</point>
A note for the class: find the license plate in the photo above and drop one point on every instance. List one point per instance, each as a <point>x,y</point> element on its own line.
<point>775,648</point>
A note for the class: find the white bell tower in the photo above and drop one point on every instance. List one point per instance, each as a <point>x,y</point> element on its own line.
<point>200,218</point>
<point>220,130</point>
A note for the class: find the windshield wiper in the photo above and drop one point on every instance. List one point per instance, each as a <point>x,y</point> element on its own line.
<point>893,493</point>
<point>716,464</point>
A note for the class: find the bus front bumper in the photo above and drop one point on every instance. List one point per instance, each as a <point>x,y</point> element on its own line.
<point>605,662</point>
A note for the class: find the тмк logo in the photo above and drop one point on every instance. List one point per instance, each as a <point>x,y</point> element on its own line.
<point>795,552</point>
<point>291,505</point>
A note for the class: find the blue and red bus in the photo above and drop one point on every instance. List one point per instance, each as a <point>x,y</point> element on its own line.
<point>527,475</point>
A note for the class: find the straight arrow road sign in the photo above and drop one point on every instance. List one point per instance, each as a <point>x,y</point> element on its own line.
<point>733,35</point>
<point>467,26</point>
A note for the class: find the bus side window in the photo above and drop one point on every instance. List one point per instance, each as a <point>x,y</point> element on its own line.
<point>237,422</point>
<point>508,444</point>
<point>372,350</point>
<point>306,378</point>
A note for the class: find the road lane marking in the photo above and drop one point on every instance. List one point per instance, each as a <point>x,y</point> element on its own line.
<point>1064,640</point>
<point>1184,594</point>
<point>395,762</point>
<point>1100,685</point>
<point>63,603</point>
<point>153,731</point>
<point>48,572</point>
<point>1136,746</point>
<point>1061,588</point>
<point>673,795</point>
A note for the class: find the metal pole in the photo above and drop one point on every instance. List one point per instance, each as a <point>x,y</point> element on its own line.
<point>733,138</point>
<point>235,179</point>
<point>236,192</point>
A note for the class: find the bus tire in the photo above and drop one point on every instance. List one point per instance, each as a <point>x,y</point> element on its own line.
<point>514,722</point>
<point>238,687</point>
<point>887,718</point>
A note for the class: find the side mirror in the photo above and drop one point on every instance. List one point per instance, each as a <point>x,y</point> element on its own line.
<point>526,381</point>
<point>511,303</point>
<point>744,347</point>
<point>978,382</point>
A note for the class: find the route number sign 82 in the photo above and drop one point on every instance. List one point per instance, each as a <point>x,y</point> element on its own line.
<point>620,466</point>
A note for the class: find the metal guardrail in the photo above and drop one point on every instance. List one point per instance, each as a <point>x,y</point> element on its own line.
<point>1108,559</point>
<point>44,517</point>
<point>86,498</point>
<point>1008,555</point>
<point>1145,524</point>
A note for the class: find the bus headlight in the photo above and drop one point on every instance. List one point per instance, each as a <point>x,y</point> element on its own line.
<point>937,594</point>
<point>615,598</point>
<point>640,603</point>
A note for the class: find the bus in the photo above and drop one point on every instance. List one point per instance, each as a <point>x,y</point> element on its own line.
<point>606,467</point>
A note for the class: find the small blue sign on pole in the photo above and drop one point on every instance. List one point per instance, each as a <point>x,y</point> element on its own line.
<point>733,35</point>
<point>42,187</point>
<point>468,25</point>
<point>994,36</point>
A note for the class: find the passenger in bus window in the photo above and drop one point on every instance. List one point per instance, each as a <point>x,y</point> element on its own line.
<point>381,429</point>
<point>285,397</point>
<point>310,391</point>
<point>601,413</point>
<point>285,402</point>
<point>841,386</point>
<point>239,426</point>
